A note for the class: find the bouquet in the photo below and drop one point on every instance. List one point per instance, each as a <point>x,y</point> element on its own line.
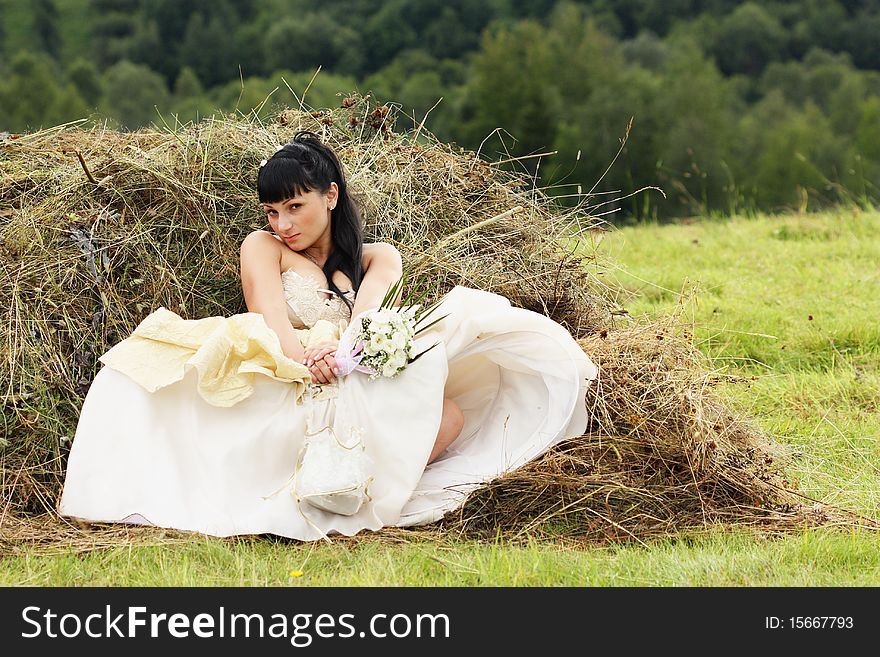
<point>380,342</point>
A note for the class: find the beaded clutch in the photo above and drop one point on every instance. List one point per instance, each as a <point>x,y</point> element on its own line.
<point>333,474</point>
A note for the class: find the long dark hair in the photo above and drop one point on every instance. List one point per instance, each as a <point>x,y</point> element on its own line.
<point>304,164</point>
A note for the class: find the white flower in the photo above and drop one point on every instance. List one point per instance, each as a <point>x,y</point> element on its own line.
<point>375,322</point>
<point>378,342</point>
<point>388,337</point>
<point>381,326</point>
<point>398,360</point>
<point>399,339</point>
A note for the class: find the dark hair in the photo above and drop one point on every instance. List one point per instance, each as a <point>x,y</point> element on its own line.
<point>305,164</point>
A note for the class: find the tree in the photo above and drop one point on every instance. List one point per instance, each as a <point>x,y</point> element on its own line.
<point>475,16</point>
<point>270,94</point>
<point>820,24</point>
<point>867,165</point>
<point>30,92</point>
<point>747,40</point>
<point>84,76</point>
<point>301,43</point>
<point>187,85</point>
<point>419,93</point>
<point>646,50</point>
<point>114,23</point>
<point>172,34</point>
<point>447,37</point>
<point>145,47</point>
<point>510,88</point>
<point>583,56</point>
<point>789,78</point>
<point>45,26</point>
<point>859,38</point>
<point>131,92</point>
<point>696,111</point>
<point>69,105</point>
<point>188,101</point>
<point>590,135</point>
<point>844,107</point>
<point>388,81</point>
<point>784,151</point>
<point>208,47</point>
<point>349,50</point>
<point>826,72</point>
<point>868,131</point>
<point>386,33</point>
<point>659,17</point>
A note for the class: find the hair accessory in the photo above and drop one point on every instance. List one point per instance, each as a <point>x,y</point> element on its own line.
<point>263,163</point>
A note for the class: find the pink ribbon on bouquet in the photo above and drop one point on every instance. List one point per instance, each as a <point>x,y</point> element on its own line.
<point>349,353</point>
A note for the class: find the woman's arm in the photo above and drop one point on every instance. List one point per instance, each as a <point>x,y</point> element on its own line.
<point>384,269</point>
<point>263,292</point>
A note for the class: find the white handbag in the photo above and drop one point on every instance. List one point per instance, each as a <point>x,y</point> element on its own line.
<point>333,472</point>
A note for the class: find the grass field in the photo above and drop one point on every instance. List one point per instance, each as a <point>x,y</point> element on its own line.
<point>791,300</point>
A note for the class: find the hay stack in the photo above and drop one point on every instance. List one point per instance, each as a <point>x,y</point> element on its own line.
<point>99,228</point>
<point>662,454</point>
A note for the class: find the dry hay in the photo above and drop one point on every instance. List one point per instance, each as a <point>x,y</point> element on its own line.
<point>662,456</point>
<point>98,228</point>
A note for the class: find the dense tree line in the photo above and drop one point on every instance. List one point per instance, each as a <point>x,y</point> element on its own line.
<point>735,106</point>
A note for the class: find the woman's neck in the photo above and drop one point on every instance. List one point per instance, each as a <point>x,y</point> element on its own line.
<point>320,250</point>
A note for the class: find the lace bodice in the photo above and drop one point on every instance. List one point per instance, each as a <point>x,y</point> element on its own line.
<point>306,303</point>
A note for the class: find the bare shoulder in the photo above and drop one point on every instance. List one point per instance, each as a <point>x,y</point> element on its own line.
<point>260,254</point>
<point>382,255</point>
<point>259,241</point>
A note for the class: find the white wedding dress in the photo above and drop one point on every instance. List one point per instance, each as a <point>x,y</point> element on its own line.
<point>170,458</point>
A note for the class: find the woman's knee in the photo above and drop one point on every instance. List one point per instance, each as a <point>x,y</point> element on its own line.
<point>451,424</point>
<point>453,419</point>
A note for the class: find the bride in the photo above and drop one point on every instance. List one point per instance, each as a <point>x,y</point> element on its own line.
<point>199,424</point>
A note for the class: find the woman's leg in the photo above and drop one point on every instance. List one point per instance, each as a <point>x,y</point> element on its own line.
<point>450,426</point>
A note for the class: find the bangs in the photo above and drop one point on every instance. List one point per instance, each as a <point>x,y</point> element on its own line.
<point>280,179</point>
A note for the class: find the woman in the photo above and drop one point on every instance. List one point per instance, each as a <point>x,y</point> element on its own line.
<point>198,424</point>
<point>306,243</point>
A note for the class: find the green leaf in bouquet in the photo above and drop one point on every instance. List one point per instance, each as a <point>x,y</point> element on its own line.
<point>419,355</point>
<point>411,295</point>
<point>391,295</point>
<point>417,301</point>
<point>414,295</point>
<point>425,328</point>
<point>423,314</point>
<point>394,292</point>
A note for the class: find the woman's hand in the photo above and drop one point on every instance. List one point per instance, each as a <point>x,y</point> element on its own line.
<point>321,361</point>
<point>318,351</point>
<point>325,370</point>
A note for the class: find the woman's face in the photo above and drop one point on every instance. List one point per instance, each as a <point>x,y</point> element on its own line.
<point>304,219</point>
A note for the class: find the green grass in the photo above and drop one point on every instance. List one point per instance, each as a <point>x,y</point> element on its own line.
<point>793,301</point>
<point>780,294</point>
<point>818,557</point>
<point>816,389</point>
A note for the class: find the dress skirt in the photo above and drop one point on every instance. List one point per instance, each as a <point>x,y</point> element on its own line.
<point>170,458</point>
